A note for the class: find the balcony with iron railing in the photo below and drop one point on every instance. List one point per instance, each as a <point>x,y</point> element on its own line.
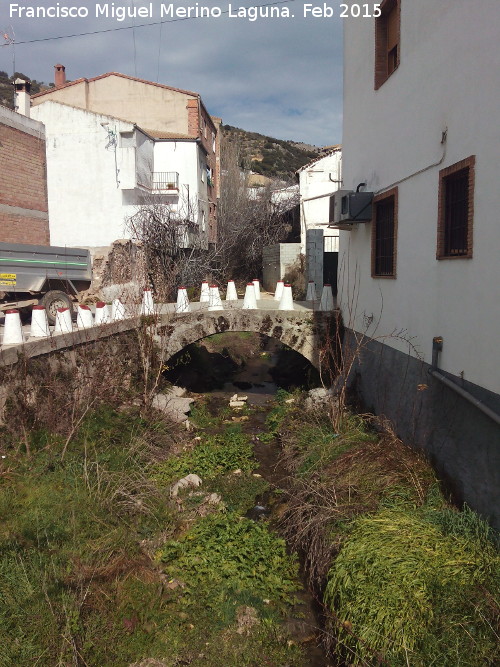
<point>165,182</point>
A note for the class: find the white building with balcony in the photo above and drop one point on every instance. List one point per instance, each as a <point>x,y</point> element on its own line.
<point>101,168</point>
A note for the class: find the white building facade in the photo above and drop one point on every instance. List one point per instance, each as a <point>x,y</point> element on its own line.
<point>424,274</point>
<point>317,181</point>
<point>100,169</point>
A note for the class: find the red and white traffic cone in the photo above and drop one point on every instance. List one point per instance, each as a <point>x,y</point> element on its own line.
<point>84,318</point>
<point>64,324</point>
<point>326,302</point>
<point>231,294</point>
<point>215,302</point>
<point>182,305</point>
<point>101,313</point>
<point>117,310</point>
<point>147,306</point>
<point>39,322</point>
<point>205,292</point>
<point>311,291</point>
<point>249,302</point>
<point>13,331</point>
<point>286,301</point>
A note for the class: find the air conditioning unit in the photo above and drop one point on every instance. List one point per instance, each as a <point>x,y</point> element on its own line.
<point>347,207</point>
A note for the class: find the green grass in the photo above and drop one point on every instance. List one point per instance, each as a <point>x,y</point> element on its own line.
<point>213,456</point>
<point>417,587</point>
<point>78,584</point>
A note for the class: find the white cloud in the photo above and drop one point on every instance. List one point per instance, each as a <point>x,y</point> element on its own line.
<point>280,77</point>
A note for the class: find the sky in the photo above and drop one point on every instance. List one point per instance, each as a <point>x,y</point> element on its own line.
<point>280,76</point>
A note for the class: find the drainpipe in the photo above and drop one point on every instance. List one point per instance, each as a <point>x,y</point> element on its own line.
<point>437,346</point>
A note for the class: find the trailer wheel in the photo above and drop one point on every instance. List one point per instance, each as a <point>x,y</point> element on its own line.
<point>52,301</point>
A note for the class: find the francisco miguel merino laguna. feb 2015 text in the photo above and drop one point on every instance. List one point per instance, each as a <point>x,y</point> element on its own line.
<point>169,11</point>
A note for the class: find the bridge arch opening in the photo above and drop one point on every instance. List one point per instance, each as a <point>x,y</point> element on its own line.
<point>240,361</point>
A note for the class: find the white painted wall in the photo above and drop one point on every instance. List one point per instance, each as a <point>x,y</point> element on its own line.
<point>316,180</point>
<point>448,77</point>
<point>188,159</point>
<point>91,181</point>
<point>99,170</point>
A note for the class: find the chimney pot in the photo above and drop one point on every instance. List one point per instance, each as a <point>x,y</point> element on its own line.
<point>59,75</point>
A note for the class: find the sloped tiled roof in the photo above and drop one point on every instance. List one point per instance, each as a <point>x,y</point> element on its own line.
<point>123,76</point>
<point>331,150</point>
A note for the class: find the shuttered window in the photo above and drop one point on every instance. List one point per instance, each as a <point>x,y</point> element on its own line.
<point>387,41</point>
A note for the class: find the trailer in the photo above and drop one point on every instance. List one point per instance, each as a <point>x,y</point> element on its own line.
<point>51,276</point>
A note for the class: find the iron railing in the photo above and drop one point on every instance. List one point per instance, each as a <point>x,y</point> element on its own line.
<point>165,181</point>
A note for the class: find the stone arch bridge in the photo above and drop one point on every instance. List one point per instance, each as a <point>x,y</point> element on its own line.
<point>304,330</point>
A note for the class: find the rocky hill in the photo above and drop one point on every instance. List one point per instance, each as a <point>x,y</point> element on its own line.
<point>275,158</point>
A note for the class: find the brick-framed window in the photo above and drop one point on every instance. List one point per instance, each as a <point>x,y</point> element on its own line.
<point>387,40</point>
<point>456,210</point>
<point>384,234</point>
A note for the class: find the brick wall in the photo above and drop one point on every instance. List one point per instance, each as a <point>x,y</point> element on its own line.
<point>23,180</point>
<point>22,229</point>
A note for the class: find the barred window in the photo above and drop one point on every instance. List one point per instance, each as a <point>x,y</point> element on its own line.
<point>384,235</point>
<point>455,210</point>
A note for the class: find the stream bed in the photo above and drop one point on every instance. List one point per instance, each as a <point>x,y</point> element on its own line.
<point>263,368</point>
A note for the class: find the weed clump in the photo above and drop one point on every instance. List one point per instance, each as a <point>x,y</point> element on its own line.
<point>213,456</point>
<point>227,558</point>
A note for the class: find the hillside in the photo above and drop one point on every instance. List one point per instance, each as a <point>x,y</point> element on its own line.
<point>268,156</point>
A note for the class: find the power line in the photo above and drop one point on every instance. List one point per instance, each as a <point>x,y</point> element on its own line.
<point>132,27</point>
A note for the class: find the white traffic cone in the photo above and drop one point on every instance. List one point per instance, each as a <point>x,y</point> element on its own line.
<point>205,292</point>
<point>311,291</point>
<point>286,301</point>
<point>249,302</point>
<point>84,317</point>
<point>101,313</point>
<point>215,302</point>
<point>231,294</point>
<point>63,321</point>
<point>326,302</point>
<point>117,310</point>
<point>13,331</point>
<point>182,305</point>
<point>279,290</point>
<point>256,285</point>
<point>147,306</point>
<point>39,322</point>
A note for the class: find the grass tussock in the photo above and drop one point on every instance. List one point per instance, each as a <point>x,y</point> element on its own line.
<point>406,578</point>
<point>409,591</point>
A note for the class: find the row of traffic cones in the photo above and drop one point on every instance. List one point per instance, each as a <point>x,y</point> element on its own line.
<point>104,314</point>
<point>210,294</point>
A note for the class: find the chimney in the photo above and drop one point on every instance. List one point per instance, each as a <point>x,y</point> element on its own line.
<point>59,75</point>
<point>22,99</point>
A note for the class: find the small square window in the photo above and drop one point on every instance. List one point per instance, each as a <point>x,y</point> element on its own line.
<point>384,235</point>
<point>456,210</point>
<point>387,41</point>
